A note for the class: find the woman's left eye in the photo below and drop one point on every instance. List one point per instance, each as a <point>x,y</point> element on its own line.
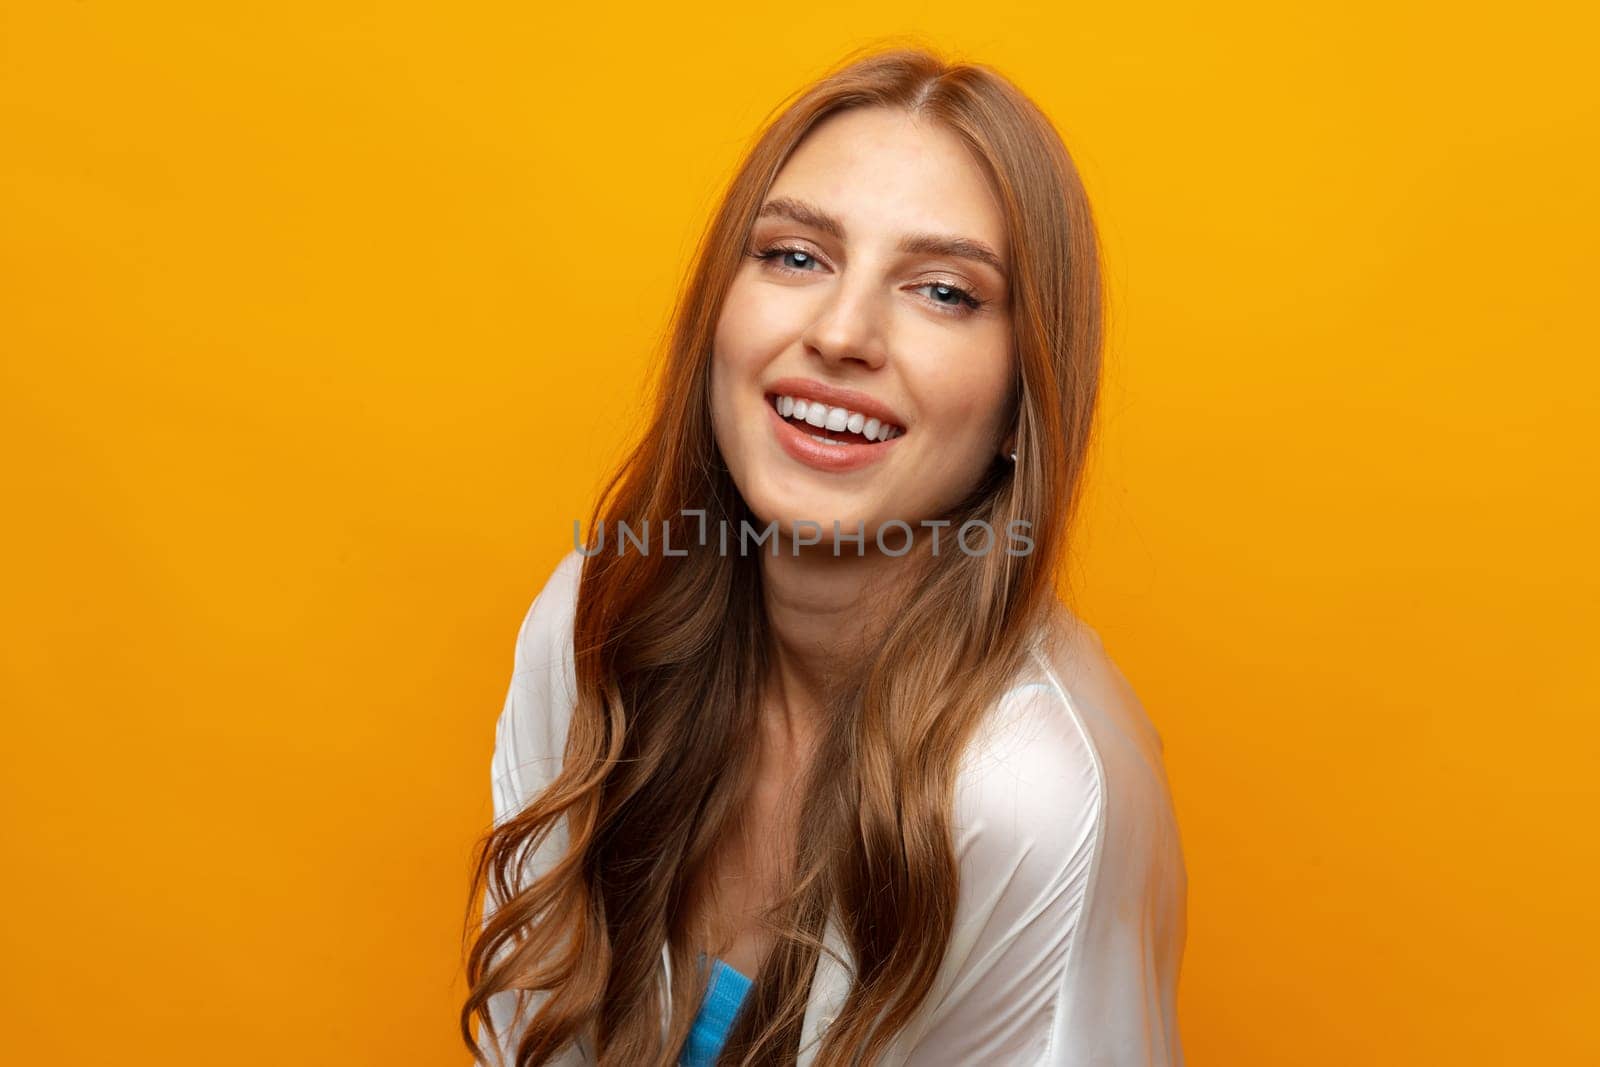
<point>952,296</point>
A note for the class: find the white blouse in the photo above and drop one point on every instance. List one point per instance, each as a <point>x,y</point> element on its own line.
<point>1071,919</point>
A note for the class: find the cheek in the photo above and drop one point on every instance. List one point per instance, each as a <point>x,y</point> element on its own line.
<point>965,389</point>
<point>752,327</point>
<point>744,343</point>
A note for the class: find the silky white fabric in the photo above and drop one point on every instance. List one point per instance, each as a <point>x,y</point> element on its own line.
<point>1071,920</point>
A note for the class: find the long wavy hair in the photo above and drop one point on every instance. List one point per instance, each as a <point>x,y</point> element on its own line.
<point>671,655</point>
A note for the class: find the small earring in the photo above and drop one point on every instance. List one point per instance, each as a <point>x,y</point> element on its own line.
<point>1013,455</point>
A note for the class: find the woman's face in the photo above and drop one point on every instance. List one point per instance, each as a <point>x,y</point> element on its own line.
<point>868,294</point>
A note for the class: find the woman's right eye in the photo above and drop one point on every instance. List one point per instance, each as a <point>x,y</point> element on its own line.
<point>788,258</point>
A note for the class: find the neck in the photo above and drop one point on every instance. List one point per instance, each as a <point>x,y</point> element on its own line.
<point>820,609</point>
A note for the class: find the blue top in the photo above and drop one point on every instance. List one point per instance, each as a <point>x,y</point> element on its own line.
<point>717,1012</point>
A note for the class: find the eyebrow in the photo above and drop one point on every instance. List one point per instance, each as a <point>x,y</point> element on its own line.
<point>789,207</point>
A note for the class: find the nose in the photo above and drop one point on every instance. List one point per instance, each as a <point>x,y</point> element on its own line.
<point>849,327</point>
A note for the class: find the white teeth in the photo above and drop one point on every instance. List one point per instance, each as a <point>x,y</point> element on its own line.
<point>835,419</point>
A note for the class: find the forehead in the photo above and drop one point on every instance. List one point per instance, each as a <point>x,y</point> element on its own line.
<point>883,171</point>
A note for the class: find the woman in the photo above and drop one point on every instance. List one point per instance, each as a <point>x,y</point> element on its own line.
<point>823,774</point>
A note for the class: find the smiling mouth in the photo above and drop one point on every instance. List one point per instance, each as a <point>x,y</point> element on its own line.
<point>833,425</point>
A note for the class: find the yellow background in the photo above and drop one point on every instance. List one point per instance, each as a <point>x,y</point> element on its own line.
<point>320,323</point>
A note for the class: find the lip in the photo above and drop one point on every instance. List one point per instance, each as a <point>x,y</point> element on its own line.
<point>833,459</point>
<point>836,397</point>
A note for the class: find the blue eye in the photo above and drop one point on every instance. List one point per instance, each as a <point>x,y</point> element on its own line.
<point>952,296</point>
<point>783,255</point>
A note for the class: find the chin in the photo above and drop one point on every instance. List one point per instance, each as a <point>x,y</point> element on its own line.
<point>803,509</point>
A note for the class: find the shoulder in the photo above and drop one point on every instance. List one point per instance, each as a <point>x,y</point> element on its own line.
<point>545,637</point>
<point>1127,747</point>
<point>1066,750</point>
<point>1102,696</point>
<point>531,732</point>
<point>1030,796</point>
<point>1069,924</point>
<point>1028,823</point>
